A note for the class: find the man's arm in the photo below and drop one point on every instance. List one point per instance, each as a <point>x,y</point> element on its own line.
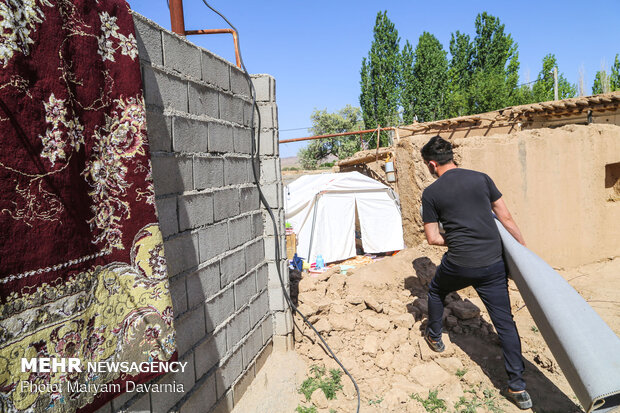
<point>433,236</point>
<point>501,211</point>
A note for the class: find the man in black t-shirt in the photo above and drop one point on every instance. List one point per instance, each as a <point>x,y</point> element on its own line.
<point>463,201</point>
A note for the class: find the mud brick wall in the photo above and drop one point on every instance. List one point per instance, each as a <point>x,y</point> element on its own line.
<point>218,238</point>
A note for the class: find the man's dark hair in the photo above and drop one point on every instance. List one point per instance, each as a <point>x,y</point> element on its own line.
<point>437,149</point>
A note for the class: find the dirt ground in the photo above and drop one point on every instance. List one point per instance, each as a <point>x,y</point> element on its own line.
<point>372,318</point>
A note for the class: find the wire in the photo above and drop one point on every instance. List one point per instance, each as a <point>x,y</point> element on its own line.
<point>255,164</point>
<point>287,130</point>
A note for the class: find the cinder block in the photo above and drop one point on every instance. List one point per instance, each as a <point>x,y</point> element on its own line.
<point>243,383</point>
<point>266,116</point>
<point>264,355</point>
<point>231,108</point>
<point>262,277</point>
<point>225,403</point>
<point>244,288</point>
<point>247,114</point>
<point>164,90</point>
<point>163,401</point>
<point>203,100</point>
<point>210,352</point>
<point>228,373</point>
<point>148,37</point>
<point>190,328</point>
<point>203,398</point>
<point>181,253</point>
<point>239,83</point>
<point>172,174</point>
<point>190,135</point>
<point>254,254</point>
<point>232,267</point>
<point>208,172</point>
<point>259,308</point>
<point>270,170</point>
<point>236,170</point>
<point>178,293</point>
<point>262,86</point>
<point>249,201</point>
<point>159,130</point>
<point>181,56</point>
<point>283,323</point>
<point>258,224</point>
<point>203,284</point>
<point>267,143</point>
<point>267,327</point>
<point>252,346</point>
<point>238,327</point>
<point>195,210</point>
<point>213,241</point>
<point>277,302</point>
<point>273,194</point>
<point>215,71</point>
<point>239,231</point>
<point>273,278</point>
<point>220,137</point>
<point>167,215</point>
<point>270,248</point>
<point>226,203</point>
<point>219,308</point>
<point>242,140</point>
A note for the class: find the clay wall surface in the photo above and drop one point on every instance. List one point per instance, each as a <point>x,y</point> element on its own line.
<point>561,185</point>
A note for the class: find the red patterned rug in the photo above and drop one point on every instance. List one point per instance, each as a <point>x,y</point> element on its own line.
<point>82,268</point>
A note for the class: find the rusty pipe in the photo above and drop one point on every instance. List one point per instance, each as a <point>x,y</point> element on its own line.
<point>333,135</point>
<point>218,31</point>
<point>177,21</point>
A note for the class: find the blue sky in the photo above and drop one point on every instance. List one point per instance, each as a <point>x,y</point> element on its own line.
<point>314,48</point>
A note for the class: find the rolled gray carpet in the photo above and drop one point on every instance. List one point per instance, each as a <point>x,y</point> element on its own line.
<point>586,349</point>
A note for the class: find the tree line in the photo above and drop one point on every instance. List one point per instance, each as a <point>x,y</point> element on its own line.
<point>426,83</point>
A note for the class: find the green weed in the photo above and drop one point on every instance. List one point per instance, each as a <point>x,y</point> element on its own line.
<point>375,401</point>
<point>330,384</point>
<point>304,409</point>
<point>432,404</point>
<point>461,372</point>
<point>535,329</point>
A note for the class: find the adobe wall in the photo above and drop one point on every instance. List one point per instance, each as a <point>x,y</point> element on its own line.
<point>227,300</point>
<point>560,184</point>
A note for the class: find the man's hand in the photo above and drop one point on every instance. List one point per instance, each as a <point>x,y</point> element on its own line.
<point>433,236</point>
<point>501,211</point>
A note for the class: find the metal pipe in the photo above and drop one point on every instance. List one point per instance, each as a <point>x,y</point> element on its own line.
<point>177,21</point>
<point>219,31</point>
<point>333,135</point>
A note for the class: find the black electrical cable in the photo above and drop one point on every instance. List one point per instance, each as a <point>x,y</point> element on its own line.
<point>255,165</point>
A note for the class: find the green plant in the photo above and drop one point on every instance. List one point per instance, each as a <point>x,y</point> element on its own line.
<point>432,404</point>
<point>461,372</point>
<point>378,400</point>
<point>304,409</point>
<point>467,406</point>
<point>489,401</point>
<point>329,384</point>
<point>535,329</point>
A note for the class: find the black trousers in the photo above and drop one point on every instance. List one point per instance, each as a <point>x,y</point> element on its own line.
<point>491,284</point>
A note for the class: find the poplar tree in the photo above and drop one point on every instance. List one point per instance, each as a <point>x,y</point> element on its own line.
<point>379,83</point>
<point>543,88</point>
<point>460,72</point>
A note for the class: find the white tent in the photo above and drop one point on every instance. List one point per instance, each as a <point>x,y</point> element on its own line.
<point>321,209</point>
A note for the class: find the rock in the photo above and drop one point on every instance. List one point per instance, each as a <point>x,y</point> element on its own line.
<point>471,323</point>
<point>336,283</point>
<point>373,304</point>
<point>473,377</point>
<point>318,399</point>
<point>404,320</point>
<point>446,313</point>
<point>371,345</point>
<point>464,309</point>
<point>385,360</point>
<point>379,324</point>
<point>391,341</point>
<point>322,325</point>
<point>343,321</point>
<point>397,304</point>
<point>421,304</point>
<point>451,321</point>
<point>394,398</point>
<point>400,364</point>
<point>405,293</point>
<point>355,300</point>
<point>458,330</point>
<point>307,284</point>
<point>306,309</point>
<point>337,308</point>
<point>450,364</point>
<point>451,392</point>
<point>429,375</point>
<point>347,388</point>
<point>424,351</point>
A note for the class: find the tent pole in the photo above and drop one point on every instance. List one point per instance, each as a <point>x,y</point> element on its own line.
<point>316,201</point>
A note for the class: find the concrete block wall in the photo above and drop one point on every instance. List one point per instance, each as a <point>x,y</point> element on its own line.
<point>218,245</point>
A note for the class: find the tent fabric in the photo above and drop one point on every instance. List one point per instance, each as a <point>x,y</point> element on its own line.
<point>330,201</point>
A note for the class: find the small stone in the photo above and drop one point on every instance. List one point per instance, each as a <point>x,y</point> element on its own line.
<point>318,399</point>
<point>343,321</point>
<point>385,360</point>
<point>373,304</point>
<point>450,364</point>
<point>371,345</point>
<point>322,325</point>
<point>379,324</point>
<point>429,375</point>
<point>355,300</point>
